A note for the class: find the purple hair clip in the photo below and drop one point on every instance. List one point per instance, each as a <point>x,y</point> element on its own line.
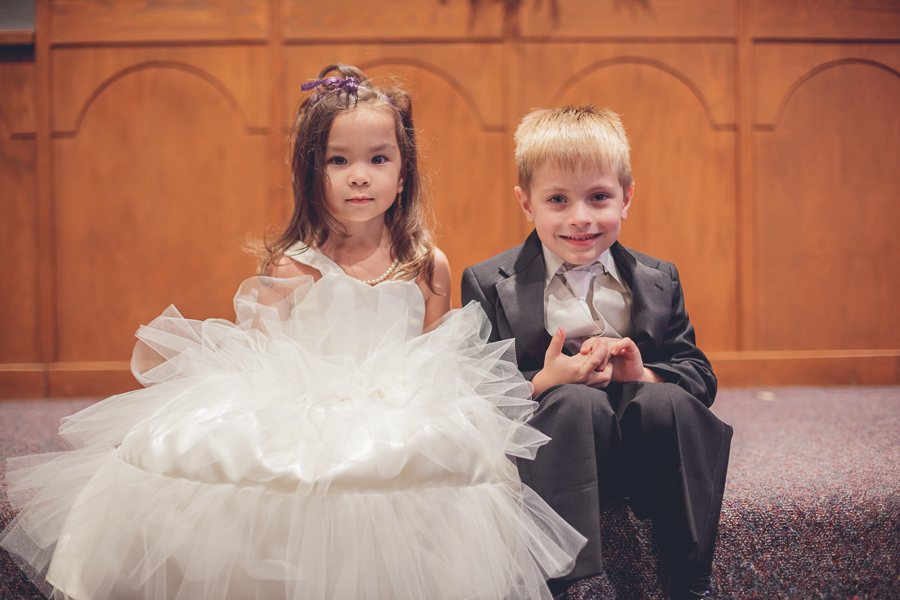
<point>331,84</point>
<point>349,84</point>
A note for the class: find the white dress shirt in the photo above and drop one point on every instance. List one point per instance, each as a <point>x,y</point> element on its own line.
<point>606,310</point>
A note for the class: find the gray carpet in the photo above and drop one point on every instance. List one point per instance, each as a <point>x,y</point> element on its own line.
<point>812,505</point>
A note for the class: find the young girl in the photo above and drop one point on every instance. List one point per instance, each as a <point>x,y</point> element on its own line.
<point>322,446</point>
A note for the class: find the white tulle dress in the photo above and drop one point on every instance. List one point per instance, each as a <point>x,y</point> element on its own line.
<point>320,447</point>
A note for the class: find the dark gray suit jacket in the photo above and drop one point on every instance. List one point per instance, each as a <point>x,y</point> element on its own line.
<point>510,288</point>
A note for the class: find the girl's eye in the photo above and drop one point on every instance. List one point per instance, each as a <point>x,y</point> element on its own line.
<point>556,200</point>
<point>379,160</point>
<point>337,160</point>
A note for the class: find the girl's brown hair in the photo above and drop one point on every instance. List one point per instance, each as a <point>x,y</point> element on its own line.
<point>311,223</point>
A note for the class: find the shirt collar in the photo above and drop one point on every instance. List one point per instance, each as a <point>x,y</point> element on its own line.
<point>552,263</point>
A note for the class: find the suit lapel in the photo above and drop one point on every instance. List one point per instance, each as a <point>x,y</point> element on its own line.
<point>522,296</point>
<point>650,298</point>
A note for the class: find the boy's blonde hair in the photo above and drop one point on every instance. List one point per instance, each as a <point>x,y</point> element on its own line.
<point>572,137</point>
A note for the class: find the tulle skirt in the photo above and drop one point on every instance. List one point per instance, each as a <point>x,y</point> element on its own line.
<point>317,448</point>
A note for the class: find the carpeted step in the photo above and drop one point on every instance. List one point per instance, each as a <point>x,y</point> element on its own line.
<point>812,504</point>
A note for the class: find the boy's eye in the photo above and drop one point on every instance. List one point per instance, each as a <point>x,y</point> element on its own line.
<point>337,160</point>
<point>600,197</point>
<point>379,160</point>
<point>556,200</point>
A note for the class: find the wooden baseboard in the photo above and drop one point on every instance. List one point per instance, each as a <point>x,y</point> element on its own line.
<point>22,383</point>
<point>734,369</point>
<point>810,367</point>
<point>65,380</point>
<point>17,37</point>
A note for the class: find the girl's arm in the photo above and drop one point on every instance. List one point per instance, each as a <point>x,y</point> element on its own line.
<point>437,301</point>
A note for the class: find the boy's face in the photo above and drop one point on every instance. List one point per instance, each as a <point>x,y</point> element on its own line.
<point>577,212</point>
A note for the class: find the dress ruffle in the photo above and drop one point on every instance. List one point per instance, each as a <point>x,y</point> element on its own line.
<point>317,448</point>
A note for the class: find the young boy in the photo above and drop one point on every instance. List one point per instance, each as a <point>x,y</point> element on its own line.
<point>623,391</point>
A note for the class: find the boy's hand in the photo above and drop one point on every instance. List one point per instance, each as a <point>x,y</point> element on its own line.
<point>627,364</point>
<point>590,367</point>
<point>594,345</point>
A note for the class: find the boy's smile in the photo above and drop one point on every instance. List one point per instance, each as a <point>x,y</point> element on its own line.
<point>577,212</point>
<point>581,239</point>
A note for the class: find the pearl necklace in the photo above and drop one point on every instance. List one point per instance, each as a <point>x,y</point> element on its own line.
<point>378,280</point>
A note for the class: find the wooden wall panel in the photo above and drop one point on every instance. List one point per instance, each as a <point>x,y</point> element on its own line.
<point>824,19</point>
<point>827,216</point>
<point>18,229</point>
<point>603,19</point>
<point>464,145</point>
<point>155,195</point>
<point>18,224</point>
<point>17,111</point>
<point>79,21</point>
<point>390,20</point>
<point>684,168</point>
<point>144,139</point>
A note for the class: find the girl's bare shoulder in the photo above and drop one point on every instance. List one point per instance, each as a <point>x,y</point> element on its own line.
<point>285,267</point>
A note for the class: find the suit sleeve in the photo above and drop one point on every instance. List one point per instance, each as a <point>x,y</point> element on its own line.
<point>471,290</point>
<point>678,359</point>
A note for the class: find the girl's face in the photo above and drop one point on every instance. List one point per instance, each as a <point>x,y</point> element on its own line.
<point>362,165</point>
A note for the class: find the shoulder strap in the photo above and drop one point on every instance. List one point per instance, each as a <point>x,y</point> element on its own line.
<point>313,258</point>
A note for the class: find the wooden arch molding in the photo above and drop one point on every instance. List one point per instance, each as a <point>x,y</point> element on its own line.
<point>163,64</point>
<point>442,74</point>
<point>782,104</point>
<point>649,62</point>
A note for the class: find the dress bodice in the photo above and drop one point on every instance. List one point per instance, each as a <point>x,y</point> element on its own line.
<point>328,268</point>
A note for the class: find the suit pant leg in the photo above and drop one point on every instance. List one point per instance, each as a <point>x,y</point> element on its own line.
<point>672,464</point>
<point>568,471</point>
